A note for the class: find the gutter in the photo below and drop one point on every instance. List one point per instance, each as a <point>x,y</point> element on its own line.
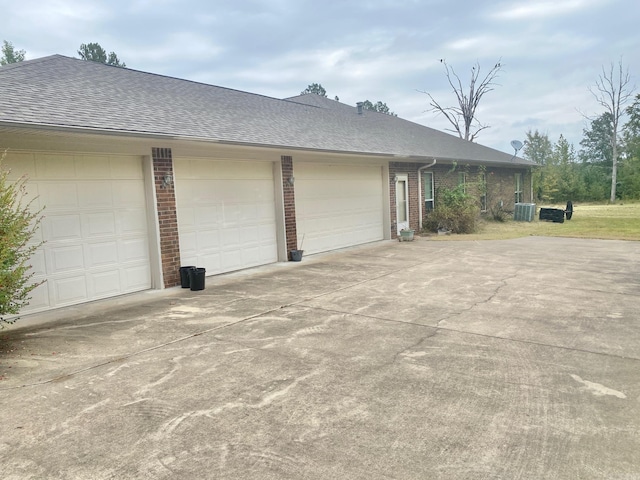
<point>75,129</point>
<point>420,202</point>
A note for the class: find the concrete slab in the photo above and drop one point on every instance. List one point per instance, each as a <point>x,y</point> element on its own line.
<point>507,359</point>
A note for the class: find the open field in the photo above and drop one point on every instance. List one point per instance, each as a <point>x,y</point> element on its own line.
<point>614,222</point>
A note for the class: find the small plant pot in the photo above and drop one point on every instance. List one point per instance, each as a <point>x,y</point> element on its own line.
<point>296,255</point>
<point>406,235</point>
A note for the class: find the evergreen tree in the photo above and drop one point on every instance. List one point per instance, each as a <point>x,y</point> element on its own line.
<point>95,53</point>
<point>538,149</point>
<point>380,107</point>
<point>629,177</point>
<point>10,54</point>
<point>596,157</point>
<point>569,185</point>
<point>316,89</point>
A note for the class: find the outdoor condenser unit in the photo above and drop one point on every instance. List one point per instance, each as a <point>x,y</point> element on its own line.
<point>524,212</point>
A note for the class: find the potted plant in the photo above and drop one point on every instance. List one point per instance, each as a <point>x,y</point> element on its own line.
<point>406,234</point>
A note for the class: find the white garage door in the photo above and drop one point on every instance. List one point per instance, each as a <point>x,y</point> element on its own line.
<point>338,205</point>
<point>94,226</point>
<point>226,214</point>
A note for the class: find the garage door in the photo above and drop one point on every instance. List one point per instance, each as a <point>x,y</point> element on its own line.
<point>94,227</point>
<point>338,205</point>
<point>226,214</point>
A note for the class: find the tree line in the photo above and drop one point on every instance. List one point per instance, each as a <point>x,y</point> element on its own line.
<point>587,174</point>
<point>87,51</point>
<point>381,107</point>
<point>606,166</point>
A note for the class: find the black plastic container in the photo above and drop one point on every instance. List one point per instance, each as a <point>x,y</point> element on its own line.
<point>196,277</point>
<point>185,280</point>
<point>296,255</point>
<point>556,215</point>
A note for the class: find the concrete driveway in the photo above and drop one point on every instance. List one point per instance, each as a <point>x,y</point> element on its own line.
<point>515,359</point>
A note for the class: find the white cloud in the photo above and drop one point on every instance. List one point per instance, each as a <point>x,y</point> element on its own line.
<point>367,49</point>
<point>62,13</point>
<point>542,9</point>
<point>191,46</point>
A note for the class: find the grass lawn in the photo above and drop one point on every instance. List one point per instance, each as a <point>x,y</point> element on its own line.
<point>618,222</point>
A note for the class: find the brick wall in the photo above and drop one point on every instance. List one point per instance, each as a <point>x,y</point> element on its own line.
<point>411,170</point>
<point>167,216</point>
<point>500,186</point>
<point>289,204</point>
<point>392,201</point>
<point>500,183</point>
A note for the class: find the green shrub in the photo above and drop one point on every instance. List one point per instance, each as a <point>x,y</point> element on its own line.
<point>455,211</point>
<point>18,223</point>
<point>498,213</point>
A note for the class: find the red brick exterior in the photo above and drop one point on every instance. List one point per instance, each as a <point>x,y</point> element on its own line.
<point>167,216</point>
<point>289,204</point>
<point>500,183</point>
<point>411,170</point>
<point>500,186</point>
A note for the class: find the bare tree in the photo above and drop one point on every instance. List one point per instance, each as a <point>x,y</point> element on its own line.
<point>463,116</point>
<point>612,91</point>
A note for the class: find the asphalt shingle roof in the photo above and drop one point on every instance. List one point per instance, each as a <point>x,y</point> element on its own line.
<point>63,92</point>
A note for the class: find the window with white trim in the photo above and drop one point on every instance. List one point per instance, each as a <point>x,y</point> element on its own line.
<point>518,177</point>
<point>483,192</point>
<point>427,181</point>
<point>462,180</point>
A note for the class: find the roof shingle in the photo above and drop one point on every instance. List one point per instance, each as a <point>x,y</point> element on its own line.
<point>63,92</point>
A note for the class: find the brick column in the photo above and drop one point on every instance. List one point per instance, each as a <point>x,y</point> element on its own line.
<point>289,204</point>
<point>415,196</point>
<point>392,200</point>
<point>167,216</point>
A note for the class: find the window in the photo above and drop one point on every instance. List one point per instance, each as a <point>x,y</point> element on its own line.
<point>518,177</point>
<point>462,180</point>
<point>427,181</point>
<point>401,200</point>
<point>483,192</point>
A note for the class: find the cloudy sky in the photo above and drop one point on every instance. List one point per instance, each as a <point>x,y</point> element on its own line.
<point>388,50</point>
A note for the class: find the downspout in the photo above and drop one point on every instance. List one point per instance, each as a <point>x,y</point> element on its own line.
<point>531,178</point>
<point>420,202</point>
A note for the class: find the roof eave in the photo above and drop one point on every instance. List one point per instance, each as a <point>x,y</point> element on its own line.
<point>168,136</point>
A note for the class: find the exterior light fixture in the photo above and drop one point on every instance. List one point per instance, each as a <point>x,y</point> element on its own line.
<point>167,180</point>
<point>291,181</point>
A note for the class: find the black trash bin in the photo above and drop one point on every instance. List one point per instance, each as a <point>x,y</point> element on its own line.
<point>556,215</point>
<point>196,276</point>
<point>185,281</point>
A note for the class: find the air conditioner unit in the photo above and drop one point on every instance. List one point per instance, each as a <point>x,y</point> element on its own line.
<point>524,212</point>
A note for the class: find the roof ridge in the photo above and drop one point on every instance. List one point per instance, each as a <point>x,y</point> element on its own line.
<point>160,75</point>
